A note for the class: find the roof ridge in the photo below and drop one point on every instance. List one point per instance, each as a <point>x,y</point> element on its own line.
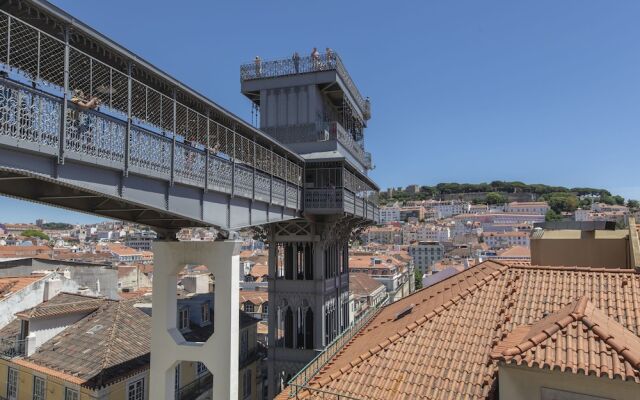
<point>112,334</point>
<point>568,314</point>
<point>575,268</point>
<point>413,325</point>
<point>603,331</point>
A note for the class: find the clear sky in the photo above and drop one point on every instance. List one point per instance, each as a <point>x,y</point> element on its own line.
<point>468,91</point>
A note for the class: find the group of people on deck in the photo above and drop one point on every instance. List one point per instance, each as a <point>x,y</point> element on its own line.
<point>317,62</point>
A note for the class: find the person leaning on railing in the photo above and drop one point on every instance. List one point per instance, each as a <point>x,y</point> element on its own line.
<point>81,101</point>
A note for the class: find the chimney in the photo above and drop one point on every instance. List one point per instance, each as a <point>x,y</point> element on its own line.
<point>52,287</point>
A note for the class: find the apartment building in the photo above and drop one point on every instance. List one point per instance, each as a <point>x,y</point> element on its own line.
<point>394,274</point>
<point>390,213</point>
<point>385,234</point>
<point>425,254</point>
<point>527,207</point>
<point>500,240</point>
<point>366,293</point>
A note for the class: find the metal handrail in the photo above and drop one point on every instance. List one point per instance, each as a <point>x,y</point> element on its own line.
<point>40,58</point>
<point>324,394</point>
<point>302,378</point>
<point>195,388</point>
<point>12,347</point>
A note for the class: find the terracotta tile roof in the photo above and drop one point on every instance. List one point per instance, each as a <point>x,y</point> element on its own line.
<point>442,348</point>
<point>107,346</point>
<point>12,284</point>
<point>568,339</point>
<point>515,251</point>
<point>254,296</point>
<point>361,284</point>
<point>259,270</point>
<point>63,303</point>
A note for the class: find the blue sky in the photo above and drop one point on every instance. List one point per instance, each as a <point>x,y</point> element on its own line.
<point>468,91</point>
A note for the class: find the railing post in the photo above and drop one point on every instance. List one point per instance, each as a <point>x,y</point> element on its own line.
<point>271,171</point>
<point>233,162</point>
<point>206,157</point>
<point>127,143</point>
<point>286,181</point>
<point>65,95</point>
<point>38,58</point>
<point>8,40</point>
<point>173,142</point>
<point>253,196</point>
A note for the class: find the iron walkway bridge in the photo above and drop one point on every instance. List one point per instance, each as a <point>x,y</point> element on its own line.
<point>154,152</point>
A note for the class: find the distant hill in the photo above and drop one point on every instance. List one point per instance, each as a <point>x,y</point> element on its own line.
<point>56,226</point>
<point>502,191</point>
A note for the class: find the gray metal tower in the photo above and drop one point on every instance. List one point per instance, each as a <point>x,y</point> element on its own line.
<point>312,105</point>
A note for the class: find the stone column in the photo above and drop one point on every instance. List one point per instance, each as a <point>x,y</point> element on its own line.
<point>220,352</point>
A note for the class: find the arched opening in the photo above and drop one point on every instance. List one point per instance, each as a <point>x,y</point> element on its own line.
<point>308,328</point>
<point>288,261</point>
<point>308,262</point>
<point>288,328</point>
<point>300,329</point>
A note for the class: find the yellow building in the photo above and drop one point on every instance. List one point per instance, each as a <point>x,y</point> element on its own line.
<point>76,347</point>
<point>618,248</point>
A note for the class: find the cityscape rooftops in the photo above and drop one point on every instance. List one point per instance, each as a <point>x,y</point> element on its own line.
<point>443,346</point>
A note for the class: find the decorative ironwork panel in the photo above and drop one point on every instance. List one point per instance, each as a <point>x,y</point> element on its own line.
<point>150,151</point>
<point>263,159</point>
<point>291,196</point>
<point>23,53</point>
<point>322,198</point>
<point>263,186</point>
<point>190,164</point>
<point>51,63</point>
<point>138,101</point>
<point>100,82</point>
<point>92,134</point>
<point>278,192</point>
<point>220,174</point>
<point>181,120</point>
<point>80,72</point>
<point>154,107</point>
<point>119,91</point>
<point>166,111</point>
<point>28,116</point>
<point>4,39</point>
<point>243,181</point>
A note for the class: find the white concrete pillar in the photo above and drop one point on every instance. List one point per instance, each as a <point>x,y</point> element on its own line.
<point>220,352</point>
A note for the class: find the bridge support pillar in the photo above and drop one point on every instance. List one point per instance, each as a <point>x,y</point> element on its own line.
<point>168,347</point>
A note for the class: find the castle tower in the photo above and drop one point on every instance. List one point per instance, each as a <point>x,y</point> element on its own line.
<point>312,105</point>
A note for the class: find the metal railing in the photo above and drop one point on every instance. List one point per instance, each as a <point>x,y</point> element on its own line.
<point>337,132</point>
<point>12,347</point>
<point>323,394</point>
<point>33,118</point>
<point>303,65</point>
<point>300,381</point>
<point>195,388</point>
<point>62,69</point>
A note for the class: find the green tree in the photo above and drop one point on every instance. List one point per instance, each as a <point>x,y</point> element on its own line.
<point>495,198</point>
<point>619,200</point>
<point>418,278</point>
<point>34,233</point>
<point>633,204</point>
<point>552,216</point>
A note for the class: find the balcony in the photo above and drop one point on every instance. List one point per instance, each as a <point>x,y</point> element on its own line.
<point>338,133</point>
<point>304,65</point>
<point>331,201</point>
<point>195,388</point>
<point>10,348</point>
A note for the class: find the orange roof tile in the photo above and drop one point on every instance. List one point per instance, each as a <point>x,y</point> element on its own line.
<point>12,284</point>
<point>566,340</point>
<point>442,348</point>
